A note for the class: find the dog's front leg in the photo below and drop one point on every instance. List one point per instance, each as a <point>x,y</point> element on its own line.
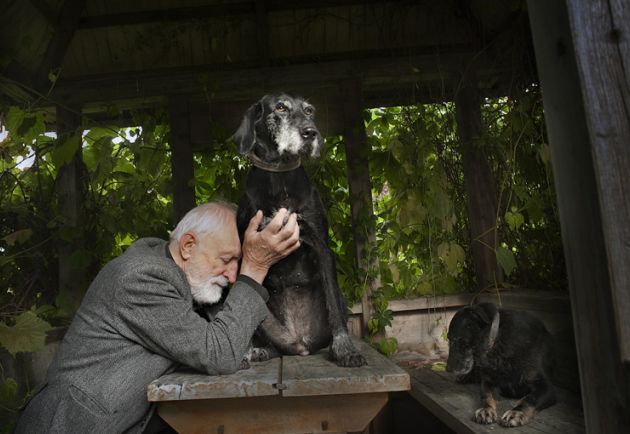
<point>487,414</point>
<point>541,396</point>
<point>341,348</point>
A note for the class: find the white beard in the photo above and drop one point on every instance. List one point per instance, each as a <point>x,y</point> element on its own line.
<point>208,291</point>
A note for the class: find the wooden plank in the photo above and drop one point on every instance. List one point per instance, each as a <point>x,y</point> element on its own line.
<point>578,180</point>
<point>260,379</point>
<point>602,50</point>
<point>274,415</point>
<point>455,404</point>
<point>317,375</point>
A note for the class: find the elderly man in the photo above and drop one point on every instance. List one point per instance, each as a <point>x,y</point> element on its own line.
<point>137,321</point>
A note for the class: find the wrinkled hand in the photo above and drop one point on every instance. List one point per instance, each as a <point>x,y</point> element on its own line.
<point>262,249</point>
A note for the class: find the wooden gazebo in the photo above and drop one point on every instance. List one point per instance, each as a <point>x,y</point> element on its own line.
<point>206,61</point>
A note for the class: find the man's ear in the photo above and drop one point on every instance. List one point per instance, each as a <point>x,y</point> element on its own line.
<point>186,244</point>
<point>485,312</point>
<point>245,135</point>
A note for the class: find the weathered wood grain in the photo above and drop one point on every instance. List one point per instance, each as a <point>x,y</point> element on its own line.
<point>260,379</point>
<point>455,404</point>
<point>274,415</point>
<point>580,51</point>
<point>317,375</point>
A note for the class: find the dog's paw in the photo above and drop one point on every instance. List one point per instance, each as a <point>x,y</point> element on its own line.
<point>485,415</point>
<point>244,365</point>
<point>513,418</point>
<point>344,354</point>
<point>262,354</point>
<point>352,360</point>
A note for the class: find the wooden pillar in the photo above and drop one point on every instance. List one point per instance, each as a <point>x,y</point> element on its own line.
<point>69,185</point>
<point>479,184</point>
<point>181,157</point>
<point>360,185</point>
<point>589,130</point>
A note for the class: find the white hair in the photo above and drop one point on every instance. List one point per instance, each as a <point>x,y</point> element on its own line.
<point>204,219</point>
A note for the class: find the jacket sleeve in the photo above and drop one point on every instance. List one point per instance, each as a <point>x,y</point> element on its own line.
<point>157,316</point>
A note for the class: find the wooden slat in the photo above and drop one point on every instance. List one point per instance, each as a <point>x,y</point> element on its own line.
<point>274,415</point>
<point>579,137</point>
<point>317,375</point>
<point>455,404</point>
<point>600,35</point>
<point>259,380</point>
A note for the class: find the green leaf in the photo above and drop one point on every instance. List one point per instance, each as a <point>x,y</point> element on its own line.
<point>514,220</point>
<point>388,346</point>
<point>27,335</point>
<point>64,152</point>
<point>13,120</point>
<point>544,153</point>
<point>8,392</point>
<point>18,237</point>
<point>438,366</point>
<point>506,259</point>
<point>67,304</point>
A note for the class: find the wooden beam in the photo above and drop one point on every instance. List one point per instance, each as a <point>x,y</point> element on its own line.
<point>69,186</point>
<point>226,9</point>
<point>262,28</point>
<point>360,186</point>
<point>248,81</point>
<point>64,28</point>
<point>600,35</point>
<point>479,183</point>
<point>575,117</point>
<point>181,157</point>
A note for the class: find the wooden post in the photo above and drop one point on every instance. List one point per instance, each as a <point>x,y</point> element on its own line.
<point>589,131</point>
<point>480,185</point>
<point>181,157</point>
<point>360,186</point>
<point>69,185</point>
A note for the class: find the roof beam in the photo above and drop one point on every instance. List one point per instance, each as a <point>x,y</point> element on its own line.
<point>212,11</point>
<point>65,25</point>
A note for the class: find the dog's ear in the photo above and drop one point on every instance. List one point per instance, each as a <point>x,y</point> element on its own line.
<point>485,312</point>
<point>245,135</point>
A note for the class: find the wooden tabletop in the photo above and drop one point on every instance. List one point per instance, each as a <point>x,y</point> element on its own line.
<point>288,376</point>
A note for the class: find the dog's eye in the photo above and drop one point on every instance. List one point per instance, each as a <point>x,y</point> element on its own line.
<point>308,111</point>
<point>281,107</point>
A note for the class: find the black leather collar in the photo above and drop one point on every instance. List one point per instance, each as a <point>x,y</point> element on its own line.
<point>279,166</point>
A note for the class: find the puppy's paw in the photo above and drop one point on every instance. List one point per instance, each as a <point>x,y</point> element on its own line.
<point>513,418</point>
<point>343,352</point>
<point>485,415</point>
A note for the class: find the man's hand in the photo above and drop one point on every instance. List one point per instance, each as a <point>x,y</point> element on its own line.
<point>262,249</point>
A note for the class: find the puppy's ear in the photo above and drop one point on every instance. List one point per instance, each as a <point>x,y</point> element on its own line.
<point>245,135</point>
<point>485,312</point>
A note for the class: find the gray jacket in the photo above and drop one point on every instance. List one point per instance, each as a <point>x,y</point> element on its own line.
<point>135,324</point>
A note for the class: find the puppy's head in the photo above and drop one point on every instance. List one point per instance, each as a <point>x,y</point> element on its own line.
<point>277,126</point>
<point>467,336</point>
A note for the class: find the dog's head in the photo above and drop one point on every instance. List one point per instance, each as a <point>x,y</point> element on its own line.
<point>277,126</point>
<point>468,336</point>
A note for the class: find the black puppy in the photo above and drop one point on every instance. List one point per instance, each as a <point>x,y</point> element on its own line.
<point>307,306</point>
<point>508,350</point>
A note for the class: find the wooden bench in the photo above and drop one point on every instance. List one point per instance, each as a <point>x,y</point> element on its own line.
<point>286,395</point>
<point>454,404</point>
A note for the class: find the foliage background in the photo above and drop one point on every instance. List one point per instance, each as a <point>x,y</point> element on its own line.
<point>418,192</point>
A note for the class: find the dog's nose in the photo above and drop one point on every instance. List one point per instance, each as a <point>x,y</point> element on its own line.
<point>308,133</point>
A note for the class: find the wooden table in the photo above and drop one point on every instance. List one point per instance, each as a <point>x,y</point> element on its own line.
<point>292,394</point>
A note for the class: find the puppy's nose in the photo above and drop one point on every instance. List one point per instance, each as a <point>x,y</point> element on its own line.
<point>308,133</point>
